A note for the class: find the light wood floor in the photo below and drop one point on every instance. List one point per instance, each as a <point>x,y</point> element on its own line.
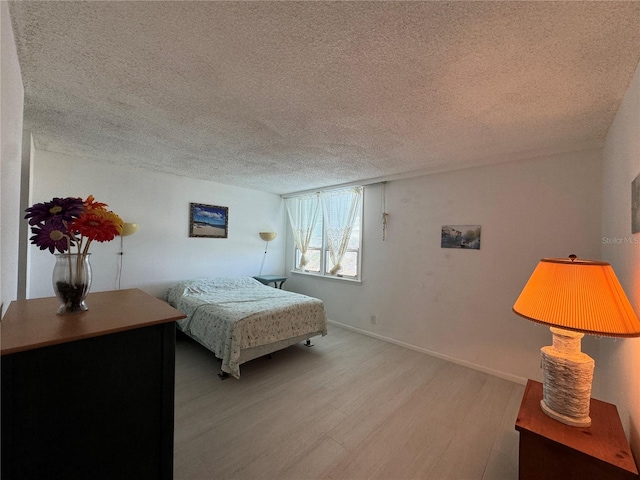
<point>351,407</point>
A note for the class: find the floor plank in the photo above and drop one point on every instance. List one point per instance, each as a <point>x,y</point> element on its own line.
<point>351,407</point>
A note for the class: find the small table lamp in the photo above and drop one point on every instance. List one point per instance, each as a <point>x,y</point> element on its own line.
<point>574,297</point>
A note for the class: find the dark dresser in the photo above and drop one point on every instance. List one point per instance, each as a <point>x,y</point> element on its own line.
<point>89,395</point>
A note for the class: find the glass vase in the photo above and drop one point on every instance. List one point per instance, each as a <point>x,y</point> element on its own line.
<point>71,281</point>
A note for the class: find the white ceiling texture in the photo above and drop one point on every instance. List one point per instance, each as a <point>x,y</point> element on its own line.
<point>291,96</point>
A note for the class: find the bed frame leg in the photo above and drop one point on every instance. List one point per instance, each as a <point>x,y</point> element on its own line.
<point>223,375</point>
<point>308,343</point>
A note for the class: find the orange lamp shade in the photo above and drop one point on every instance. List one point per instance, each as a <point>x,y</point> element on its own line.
<point>579,295</point>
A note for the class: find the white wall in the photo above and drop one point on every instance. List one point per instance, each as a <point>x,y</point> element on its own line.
<point>161,252</point>
<point>457,303</point>
<point>620,360</point>
<point>11,143</point>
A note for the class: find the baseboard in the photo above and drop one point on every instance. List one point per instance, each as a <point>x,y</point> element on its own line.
<point>464,363</point>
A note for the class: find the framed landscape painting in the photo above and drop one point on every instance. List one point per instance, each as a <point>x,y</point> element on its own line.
<point>208,221</point>
<point>460,236</point>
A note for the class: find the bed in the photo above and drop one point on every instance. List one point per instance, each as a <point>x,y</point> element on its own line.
<point>239,319</point>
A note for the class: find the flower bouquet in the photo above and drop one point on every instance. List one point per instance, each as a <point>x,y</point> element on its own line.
<point>69,223</point>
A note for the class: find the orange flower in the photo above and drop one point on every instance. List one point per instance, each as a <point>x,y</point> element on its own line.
<point>90,204</point>
<point>97,224</point>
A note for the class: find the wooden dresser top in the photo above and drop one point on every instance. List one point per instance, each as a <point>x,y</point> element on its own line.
<point>31,324</point>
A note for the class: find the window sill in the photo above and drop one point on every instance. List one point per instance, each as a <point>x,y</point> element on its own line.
<point>327,277</point>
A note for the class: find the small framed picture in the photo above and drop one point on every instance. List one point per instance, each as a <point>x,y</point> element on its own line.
<point>208,221</point>
<point>460,236</point>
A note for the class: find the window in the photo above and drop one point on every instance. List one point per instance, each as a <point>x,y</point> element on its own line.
<point>327,230</point>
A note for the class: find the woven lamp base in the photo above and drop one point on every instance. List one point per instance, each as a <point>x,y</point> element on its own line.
<point>567,377</point>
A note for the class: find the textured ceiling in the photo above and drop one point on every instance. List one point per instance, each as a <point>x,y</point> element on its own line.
<point>289,96</point>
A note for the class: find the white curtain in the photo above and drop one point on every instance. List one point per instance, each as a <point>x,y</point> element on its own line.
<point>339,209</point>
<point>303,214</point>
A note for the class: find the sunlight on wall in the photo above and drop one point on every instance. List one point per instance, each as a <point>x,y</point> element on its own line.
<point>621,164</point>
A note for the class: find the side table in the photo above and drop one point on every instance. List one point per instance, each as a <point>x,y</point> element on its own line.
<point>552,450</point>
<point>267,279</point>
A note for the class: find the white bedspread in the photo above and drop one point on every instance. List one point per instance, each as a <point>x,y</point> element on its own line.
<point>227,315</point>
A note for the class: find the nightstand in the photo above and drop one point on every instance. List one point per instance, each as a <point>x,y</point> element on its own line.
<point>552,450</point>
<point>267,279</point>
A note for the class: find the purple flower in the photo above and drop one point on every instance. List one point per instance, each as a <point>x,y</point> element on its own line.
<point>62,209</point>
<point>52,235</point>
